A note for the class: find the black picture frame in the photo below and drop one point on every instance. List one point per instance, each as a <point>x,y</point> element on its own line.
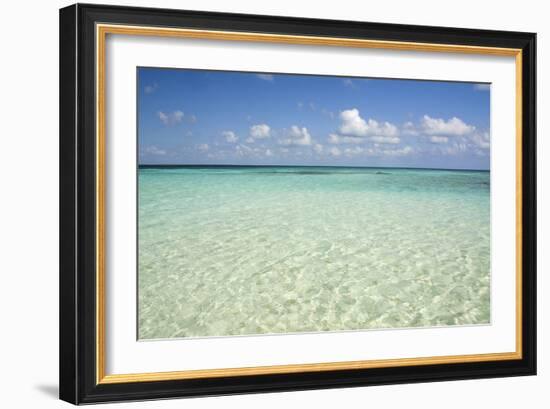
<point>78,360</point>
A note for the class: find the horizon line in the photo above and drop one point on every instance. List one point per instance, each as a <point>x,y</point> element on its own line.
<point>304,166</point>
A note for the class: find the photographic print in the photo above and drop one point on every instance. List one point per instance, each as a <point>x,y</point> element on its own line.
<point>286,203</point>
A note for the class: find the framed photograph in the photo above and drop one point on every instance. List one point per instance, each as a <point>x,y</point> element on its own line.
<point>259,204</point>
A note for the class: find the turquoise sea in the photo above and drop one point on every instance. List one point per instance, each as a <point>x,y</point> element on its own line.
<point>258,250</point>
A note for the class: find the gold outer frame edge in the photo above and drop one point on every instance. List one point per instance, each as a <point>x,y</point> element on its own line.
<point>519,203</point>
<point>285,369</point>
<point>101,32</point>
<point>100,205</point>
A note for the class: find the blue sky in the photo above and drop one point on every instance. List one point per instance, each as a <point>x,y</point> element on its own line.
<point>218,117</point>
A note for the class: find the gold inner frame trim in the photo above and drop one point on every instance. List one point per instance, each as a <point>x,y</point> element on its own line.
<point>101,33</point>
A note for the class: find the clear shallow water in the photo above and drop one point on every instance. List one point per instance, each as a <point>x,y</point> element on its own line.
<point>257,250</point>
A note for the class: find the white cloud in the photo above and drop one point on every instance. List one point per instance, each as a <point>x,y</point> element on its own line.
<point>452,127</point>
<point>170,118</point>
<point>230,136</point>
<point>356,150</point>
<point>153,150</point>
<point>334,151</point>
<point>353,125</point>
<point>439,139</point>
<point>409,129</point>
<point>407,150</point>
<point>482,87</point>
<point>260,131</point>
<point>336,139</point>
<point>203,147</point>
<point>385,139</point>
<point>265,77</point>
<point>318,148</point>
<point>348,83</point>
<point>297,136</point>
<point>378,151</point>
<point>149,89</point>
<point>247,151</point>
<point>243,150</point>
<point>481,140</point>
<point>477,143</point>
<point>453,149</point>
<point>249,140</point>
